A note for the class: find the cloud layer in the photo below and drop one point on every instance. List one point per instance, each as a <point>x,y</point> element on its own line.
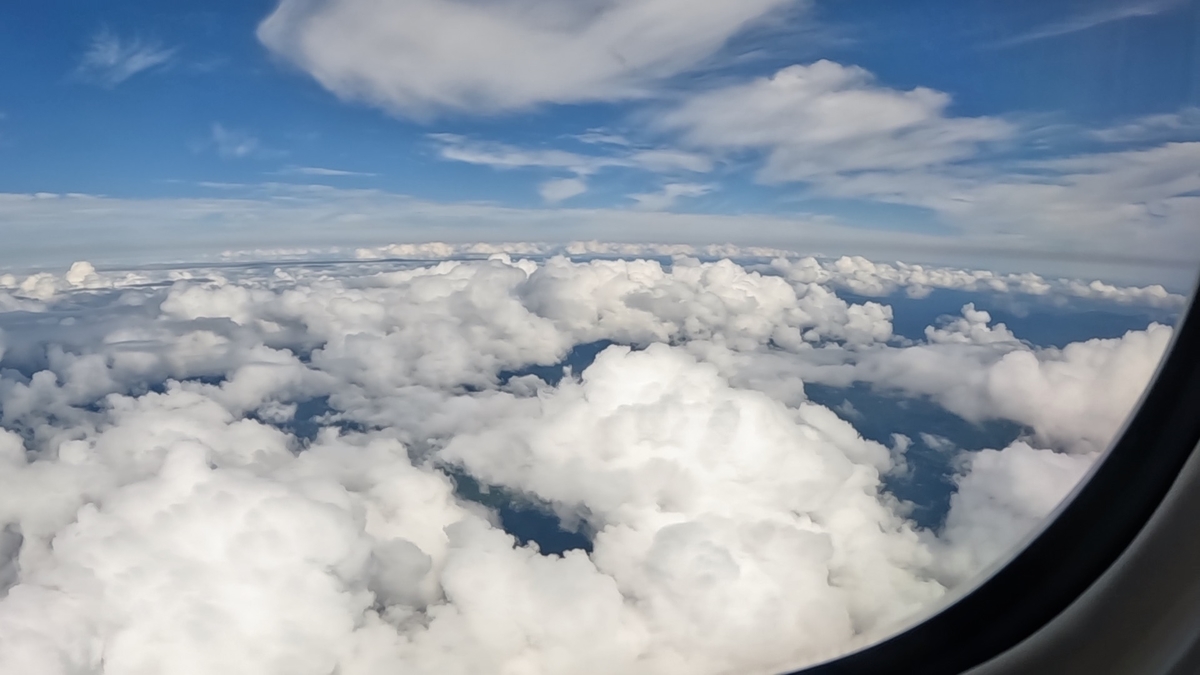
<point>167,506</point>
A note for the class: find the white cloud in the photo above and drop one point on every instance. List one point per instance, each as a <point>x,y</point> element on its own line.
<point>669,194</point>
<point>695,540</point>
<point>1098,14</point>
<point>826,118</point>
<point>555,191</point>
<point>732,530</point>
<point>1162,126</point>
<point>1131,195</point>
<point>109,60</point>
<point>234,144</point>
<point>972,328</point>
<point>866,277</point>
<point>1003,497</point>
<point>1136,200</point>
<point>939,443</point>
<point>322,171</point>
<point>832,128</point>
<point>436,250</point>
<point>603,137</point>
<point>428,56</point>
<point>981,373</point>
<point>505,156</point>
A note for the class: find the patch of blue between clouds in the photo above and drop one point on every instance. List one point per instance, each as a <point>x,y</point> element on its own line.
<point>314,414</point>
<point>526,521</point>
<point>1041,321</point>
<point>937,436</point>
<point>576,361</point>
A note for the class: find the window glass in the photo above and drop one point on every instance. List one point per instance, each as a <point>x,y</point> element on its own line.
<point>529,336</point>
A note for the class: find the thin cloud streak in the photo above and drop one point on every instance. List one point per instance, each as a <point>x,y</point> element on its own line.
<point>504,156</point>
<point>1089,20</point>
<point>669,194</point>
<point>322,171</point>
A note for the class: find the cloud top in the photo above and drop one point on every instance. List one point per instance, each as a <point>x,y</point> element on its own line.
<point>168,505</point>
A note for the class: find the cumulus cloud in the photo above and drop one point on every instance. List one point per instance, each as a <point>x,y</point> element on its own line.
<point>972,328</point>
<point>981,372</point>
<point>872,278</point>
<point>110,60</point>
<point>160,493</point>
<point>421,58</point>
<point>1003,497</point>
<point>827,118</point>
<point>694,539</point>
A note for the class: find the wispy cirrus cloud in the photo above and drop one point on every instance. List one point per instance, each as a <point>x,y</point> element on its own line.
<point>323,171</point>
<point>111,60</point>
<point>1098,15</point>
<point>505,156</point>
<point>561,189</point>
<point>1178,125</point>
<point>625,156</point>
<point>669,194</point>
<point>239,144</point>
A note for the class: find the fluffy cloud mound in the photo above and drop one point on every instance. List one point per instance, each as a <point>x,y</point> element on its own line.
<point>1074,399</point>
<point>866,277</point>
<point>1003,496</point>
<point>715,507</point>
<point>426,56</point>
<point>852,273</point>
<point>257,470</point>
<point>811,122</point>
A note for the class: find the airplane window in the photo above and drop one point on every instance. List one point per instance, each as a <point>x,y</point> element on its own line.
<point>539,337</point>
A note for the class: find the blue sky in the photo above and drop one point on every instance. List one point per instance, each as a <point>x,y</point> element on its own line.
<point>939,129</point>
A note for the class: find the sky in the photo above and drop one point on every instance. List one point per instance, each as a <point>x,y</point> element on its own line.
<point>563,336</point>
<point>1039,135</point>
